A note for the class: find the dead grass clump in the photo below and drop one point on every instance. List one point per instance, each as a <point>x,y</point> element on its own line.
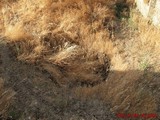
<point>23,22</point>
<point>62,33</point>
<point>16,33</point>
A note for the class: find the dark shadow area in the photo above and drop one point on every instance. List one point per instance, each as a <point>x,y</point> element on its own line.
<point>122,10</point>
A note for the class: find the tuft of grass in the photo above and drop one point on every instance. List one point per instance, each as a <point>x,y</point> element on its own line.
<point>16,33</point>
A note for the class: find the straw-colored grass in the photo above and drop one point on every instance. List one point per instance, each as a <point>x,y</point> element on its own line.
<point>75,41</point>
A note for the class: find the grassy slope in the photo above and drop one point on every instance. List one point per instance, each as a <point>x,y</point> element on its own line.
<point>85,39</point>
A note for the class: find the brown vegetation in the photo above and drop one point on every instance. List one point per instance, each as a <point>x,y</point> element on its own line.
<point>5,98</point>
<point>85,43</point>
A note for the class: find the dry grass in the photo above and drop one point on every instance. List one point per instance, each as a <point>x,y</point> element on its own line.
<point>132,72</point>
<point>149,38</point>
<point>60,33</point>
<point>124,91</point>
<point>72,39</point>
<point>5,98</point>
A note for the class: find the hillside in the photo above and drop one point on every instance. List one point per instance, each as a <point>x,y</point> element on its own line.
<point>77,60</point>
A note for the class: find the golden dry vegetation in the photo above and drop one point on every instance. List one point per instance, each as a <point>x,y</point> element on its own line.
<point>102,49</point>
